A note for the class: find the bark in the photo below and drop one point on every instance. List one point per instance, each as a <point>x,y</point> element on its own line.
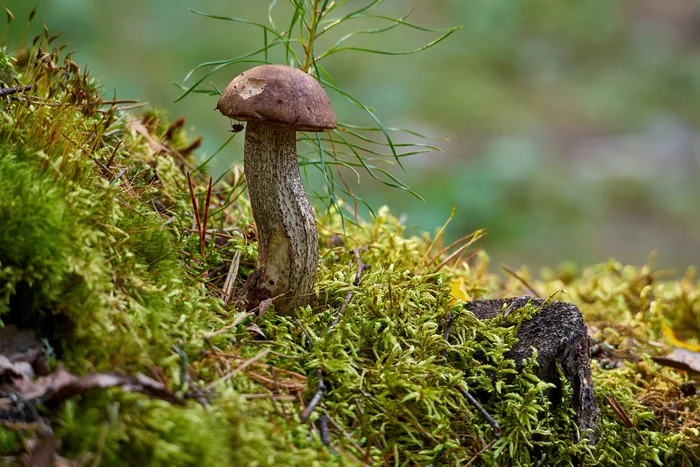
<point>287,237</point>
<point>558,333</point>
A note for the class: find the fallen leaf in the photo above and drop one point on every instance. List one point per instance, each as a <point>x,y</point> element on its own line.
<point>675,341</point>
<point>263,307</point>
<point>682,359</point>
<point>459,290</point>
<point>62,385</point>
<point>141,129</point>
<point>255,331</point>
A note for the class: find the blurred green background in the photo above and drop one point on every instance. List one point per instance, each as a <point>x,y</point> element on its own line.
<point>571,124</point>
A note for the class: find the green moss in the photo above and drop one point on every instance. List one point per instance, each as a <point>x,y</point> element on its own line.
<point>43,263</point>
<point>10,440</point>
<point>123,430</point>
<point>98,253</point>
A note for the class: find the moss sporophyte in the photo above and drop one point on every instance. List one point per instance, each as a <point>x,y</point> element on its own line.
<point>100,255</point>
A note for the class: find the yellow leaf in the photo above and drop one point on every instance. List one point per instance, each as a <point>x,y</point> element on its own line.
<point>459,290</point>
<point>671,336</point>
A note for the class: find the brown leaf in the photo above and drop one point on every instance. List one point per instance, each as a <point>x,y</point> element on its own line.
<point>62,385</point>
<point>263,307</point>
<point>255,332</point>
<point>141,129</point>
<point>682,359</point>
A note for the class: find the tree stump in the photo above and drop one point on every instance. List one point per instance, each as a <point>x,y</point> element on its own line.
<point>558,333</point>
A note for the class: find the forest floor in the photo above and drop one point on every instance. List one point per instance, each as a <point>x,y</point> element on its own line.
<point>118,264</point>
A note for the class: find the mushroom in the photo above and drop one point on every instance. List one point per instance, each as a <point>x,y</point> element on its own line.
<point>276,101</point>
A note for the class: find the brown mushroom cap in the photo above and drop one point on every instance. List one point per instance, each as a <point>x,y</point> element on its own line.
<point>278,94</point>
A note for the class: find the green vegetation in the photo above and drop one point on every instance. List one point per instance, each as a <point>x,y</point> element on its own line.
<point>99,251</point>
<point>316,32</point>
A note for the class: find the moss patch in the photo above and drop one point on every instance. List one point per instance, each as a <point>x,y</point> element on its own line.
<point>100,253</point>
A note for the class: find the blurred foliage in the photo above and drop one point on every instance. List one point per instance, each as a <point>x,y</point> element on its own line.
<point>553,110</point>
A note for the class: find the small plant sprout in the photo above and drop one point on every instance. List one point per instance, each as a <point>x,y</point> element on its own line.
<point>277,101</point>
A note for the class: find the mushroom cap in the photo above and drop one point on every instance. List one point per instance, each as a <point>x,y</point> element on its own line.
<point>278,94</point>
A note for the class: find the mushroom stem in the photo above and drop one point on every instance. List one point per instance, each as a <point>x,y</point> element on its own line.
<point>287,237</point>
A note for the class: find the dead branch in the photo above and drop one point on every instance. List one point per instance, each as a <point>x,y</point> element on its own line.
<point>231,277</point>
<point>9,91</point>
<point>448,327</point>
<point>320,389</point>
<point>322,424</point>
<point>489,419</point>
<point>361,267</point>
<point>470,398</point>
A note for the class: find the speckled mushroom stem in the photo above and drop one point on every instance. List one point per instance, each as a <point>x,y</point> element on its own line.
<point>288,241</point>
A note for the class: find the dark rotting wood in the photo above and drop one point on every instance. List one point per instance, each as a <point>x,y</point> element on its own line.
<point>558,333</point>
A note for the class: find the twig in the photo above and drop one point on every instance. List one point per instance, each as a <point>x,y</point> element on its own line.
<point>471,255</point>
<point>391,293</point>
<point>308,336</point>
<point>478,454</point>
<point>346,435</point>
<point>448,327</point>
<point>231,277</point>
<point>8,91</point>
<point>292,375</point>
<point>120,101</point>
<point>184,365</point>
<point>320,389</point>
<point>522,281</point>
<point>233,373</point>
<point>345,304</point>
<point>361,267</point>
<point>218,231</point>
<point>135,106</point>
<point>619,411</point>
<point>114,153</point>
<point>489,419</point>
<point>471,399</point>
<point>422,263</point>
<point>239,319</point>
<point>283,355</point>
<point>194,206</point>
<point>274,397</point>
<point>205,220</point>
<point>129,207</point>
<point>322,424</point>
<point>510,309</point>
